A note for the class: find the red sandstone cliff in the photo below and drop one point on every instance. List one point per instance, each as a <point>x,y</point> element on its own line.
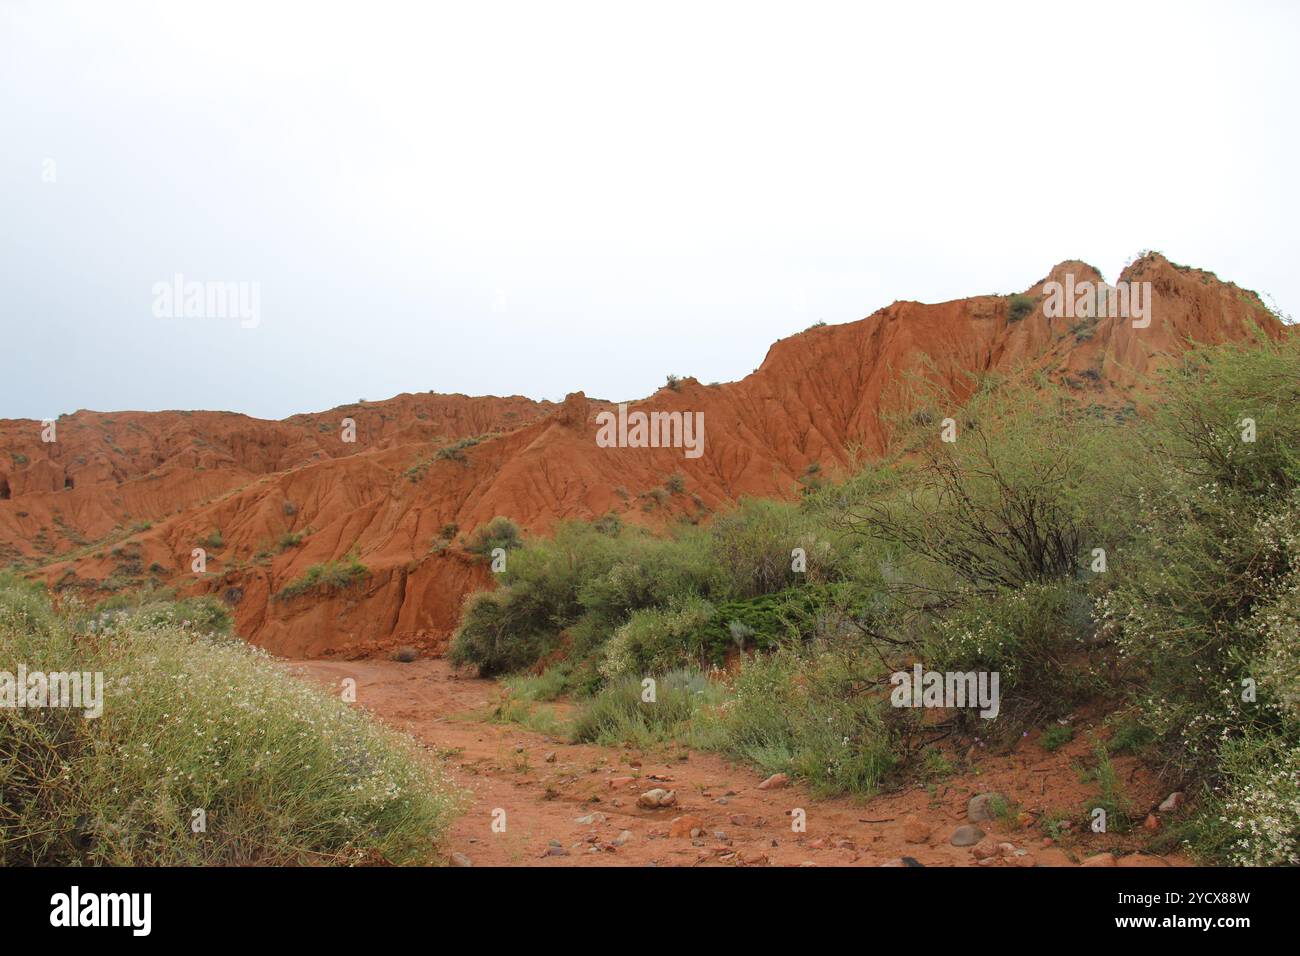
<point>122,498</point>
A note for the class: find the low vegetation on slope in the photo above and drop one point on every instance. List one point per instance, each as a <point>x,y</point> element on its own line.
<point>206,752</point>
<point>328,576</point>
<point>1085,555</point>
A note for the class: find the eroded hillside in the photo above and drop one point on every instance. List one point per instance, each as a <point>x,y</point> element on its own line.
<point>123,499</point>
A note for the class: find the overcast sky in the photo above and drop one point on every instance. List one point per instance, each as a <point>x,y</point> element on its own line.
<point>537,198</point>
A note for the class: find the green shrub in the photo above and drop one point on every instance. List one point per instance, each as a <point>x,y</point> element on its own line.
<point>1030,636</point>
<point>1019,306</point>
<point>546,686</point>
<point>754,544</point>
<point>1252,818</point>
<point>1055,737</point>
<point>1130,737</point>
<point>581,581</point>
<point>814,712</point>
<point>327,576</point>
<point>290,539</point>
<point>495,634</point>
<point>1206,617</point>
<point>285,773</point>
<point>498,533</point>
<point>156,607</point>
<point>610,524</point>
<point>453,452</point>
<point>1028,488</point>
<point>203,615</point>
<point>619,714</point>
<point>655,639</point>
<point>1207,601</point>
<point>1110,794</point>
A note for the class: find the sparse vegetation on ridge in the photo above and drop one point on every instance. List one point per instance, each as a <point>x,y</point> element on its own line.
<point>329,576</point>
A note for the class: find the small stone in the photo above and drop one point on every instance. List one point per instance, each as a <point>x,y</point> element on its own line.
<point>915,830</point>
<point>774,782</point>
<point>1100,859</point>
<point>460,859</point>
<point>985,851</point>
<point>1054,856</point>
<point>556,851</point>
<point>978,810</point>
<point>1152,822</point>
<point>966,835</point>
<point>1026,860</point>
<point>1172,802</point>
<point>1006,849</point>
<point>590,818</point>
<point>550,756</point>
<point>406,655</point>
<point>623,837</point>
<point>613,782</point>
<point>684,826</point>
<point>656,798</point>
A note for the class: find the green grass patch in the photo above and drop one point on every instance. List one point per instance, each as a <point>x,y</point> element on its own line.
<point>327,576</point>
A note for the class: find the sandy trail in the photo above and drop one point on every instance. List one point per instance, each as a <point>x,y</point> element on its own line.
<point>504,767</point>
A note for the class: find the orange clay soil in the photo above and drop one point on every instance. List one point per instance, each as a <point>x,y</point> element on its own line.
<point>576,805</point>
<point>122,499</point>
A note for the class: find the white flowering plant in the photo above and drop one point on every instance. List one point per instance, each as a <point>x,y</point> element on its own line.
<point>207,752</point>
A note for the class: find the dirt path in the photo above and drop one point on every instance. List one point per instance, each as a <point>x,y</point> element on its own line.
<point>576,805</point>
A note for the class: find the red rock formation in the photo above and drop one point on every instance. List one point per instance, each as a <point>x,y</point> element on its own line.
<point>125,497</point>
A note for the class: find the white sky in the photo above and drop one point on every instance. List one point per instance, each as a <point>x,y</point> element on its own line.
<point>535,198</point>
